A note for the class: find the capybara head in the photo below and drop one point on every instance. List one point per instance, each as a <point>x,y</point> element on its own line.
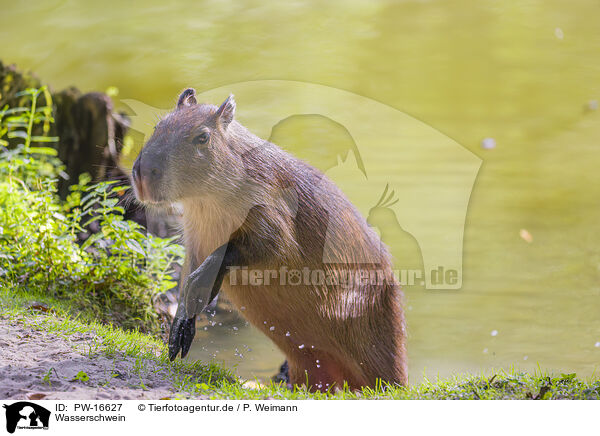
<point>190,152</point>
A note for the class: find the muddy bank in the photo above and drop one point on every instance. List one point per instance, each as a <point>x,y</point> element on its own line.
<point>36,364</point>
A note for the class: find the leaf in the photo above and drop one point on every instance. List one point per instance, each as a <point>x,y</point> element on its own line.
<point>17,134</point>
<point>81,376</point>
<point>123,225</point>
<point>89,196</point>
<point>119,190</point>
<point>43,108</point>
<point>110,202</point>
<point>91,220</point>
<point>16,122</point>
<point>135,246</point>
<point>91,240</point>
<point>16,110</point>
<point>28,91</point>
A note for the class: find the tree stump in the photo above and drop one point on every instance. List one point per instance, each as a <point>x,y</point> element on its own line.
<point>90,132</point>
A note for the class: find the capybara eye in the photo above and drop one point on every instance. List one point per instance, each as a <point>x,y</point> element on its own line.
<point>202,138</point>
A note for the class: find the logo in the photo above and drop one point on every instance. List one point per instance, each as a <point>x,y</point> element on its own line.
<point>411,182</point>
<point>26,415</point>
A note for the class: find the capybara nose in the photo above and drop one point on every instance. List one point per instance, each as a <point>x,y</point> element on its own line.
<point>135,171</point>
<point>144,175</point>
<point>136,179</point>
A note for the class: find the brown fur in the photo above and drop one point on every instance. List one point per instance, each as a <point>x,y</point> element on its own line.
<point>285,214</point>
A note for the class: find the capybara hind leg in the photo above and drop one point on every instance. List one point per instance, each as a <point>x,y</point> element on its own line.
<point>320,372</point>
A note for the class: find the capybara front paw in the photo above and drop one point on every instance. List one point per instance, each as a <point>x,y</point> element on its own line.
<point>181,336</point>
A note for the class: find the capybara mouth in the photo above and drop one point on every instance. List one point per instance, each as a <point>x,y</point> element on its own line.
<point>144,196</point>
<point>153,202</point>
<point>158,203</point>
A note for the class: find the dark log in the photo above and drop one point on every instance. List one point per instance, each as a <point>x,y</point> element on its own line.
<point>13,81</point>
<point>90,135</point>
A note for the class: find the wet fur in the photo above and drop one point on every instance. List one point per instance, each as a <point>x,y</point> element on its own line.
<point>281,211</point>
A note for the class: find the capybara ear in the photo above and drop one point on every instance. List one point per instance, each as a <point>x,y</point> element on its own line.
<point>226,111</point>
<point>187,98</point>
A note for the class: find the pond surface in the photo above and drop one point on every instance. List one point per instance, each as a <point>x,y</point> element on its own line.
<point>524,75</point>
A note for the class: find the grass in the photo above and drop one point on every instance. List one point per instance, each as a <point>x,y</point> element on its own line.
<point>196,379</point>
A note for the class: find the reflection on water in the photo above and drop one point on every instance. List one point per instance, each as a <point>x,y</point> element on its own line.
<point>520,73</point>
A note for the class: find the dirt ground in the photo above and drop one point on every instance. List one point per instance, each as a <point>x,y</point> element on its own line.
<point>35,364</point>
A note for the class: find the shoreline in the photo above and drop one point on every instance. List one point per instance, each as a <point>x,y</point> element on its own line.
<point>47,353</point>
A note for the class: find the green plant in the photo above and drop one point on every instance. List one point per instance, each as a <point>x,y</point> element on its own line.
<point>47,377</point>
<point>24,161</point>
<point>81,376</point>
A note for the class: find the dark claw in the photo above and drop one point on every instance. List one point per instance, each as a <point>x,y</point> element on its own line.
<point>189,330</point>
<point>181,336</point>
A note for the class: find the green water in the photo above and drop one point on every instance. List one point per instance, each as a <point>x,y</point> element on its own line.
<point>521,73</point>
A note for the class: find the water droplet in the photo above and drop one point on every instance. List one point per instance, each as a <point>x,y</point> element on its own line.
<point>494,333</point>
<point>235,328</point>
<point>488,143</point>
<point>526,236</point>
<point>317,360</point>
<point>287,333</point>
<point>272,328</point>
<point>558,32</point>
<point>485,350</point>
<point>597,345</point>
<point>318,366</point>
<point>301,346</point>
